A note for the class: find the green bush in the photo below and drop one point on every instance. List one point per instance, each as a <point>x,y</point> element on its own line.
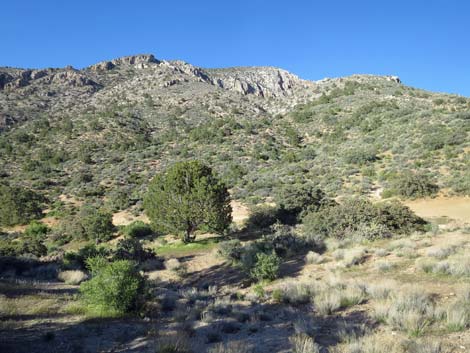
<point>262,217</point>
<point>137,229</point>
<point>188,197</point>
<point>96,224</point>
<point>296,199</point>
<point>266,267</point>
<point>115,288</point>
<point>19,205</point>
<point>36,230</point>
<point>230,250</point>
<point>23,246</point>
<point>344,219</point>
<point>78,260</point>
<point>131,249</point>
<point>412,185</point>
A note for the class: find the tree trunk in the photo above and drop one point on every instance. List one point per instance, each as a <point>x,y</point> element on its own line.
<point>187,237</point>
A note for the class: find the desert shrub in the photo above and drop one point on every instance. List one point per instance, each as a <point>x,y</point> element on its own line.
<point>36,230</point>
<point>413,185</point>
<point>78,260</point>
<point>294,200</point>
<point>19,205</point>
<point>262,217</point>
<point>22,246</point>
<point>131,249</point>
<point>354,214</point>
<point>118,200</point>
<point>230,250</point>
<point>97,224</point>
<point>371,231</point>
<point>284,242</point>
<point>188,196</point>
<point>137,229</point>
<point>360,156</point>
<point>115,287</point>
<point>266,267</point>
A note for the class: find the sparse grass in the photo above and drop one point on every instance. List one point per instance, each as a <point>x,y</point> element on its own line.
<point>178,248</point>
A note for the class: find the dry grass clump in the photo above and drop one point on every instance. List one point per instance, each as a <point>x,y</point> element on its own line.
<point>174,342</point>
<point>303,343</point>
<point>458,266</point>
<point>72,276</point>
<point>231,347</point>
<point>176,266</point>
<point>335,294</point>
<point>295,292</point>
<point>457,314</point>
<point>384,266</point>
<point>442,252</point>
<point>369,344</point>
<point>327,302</point>
<point>380,343</point>
<point>381,290</point>
<point>409,310</point>
<point>353,257</point>
<point>402,244</point>
<point>381,252</point>
<point>172,264</point>
<point>313,258</point>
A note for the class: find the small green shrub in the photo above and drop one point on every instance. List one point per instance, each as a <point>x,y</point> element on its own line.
<point>115,288</point>
<point>137,229</point>
<point>96,224</point>
<point>131,249</point>
<point>266,267</point>
<point>262,217</point>
<point>78,260</point>
<point>36,230</point>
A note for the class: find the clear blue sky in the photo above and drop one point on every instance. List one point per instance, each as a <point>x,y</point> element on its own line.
<point>426,43</point>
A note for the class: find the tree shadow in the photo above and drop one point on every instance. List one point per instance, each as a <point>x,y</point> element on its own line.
<point>220,275</point>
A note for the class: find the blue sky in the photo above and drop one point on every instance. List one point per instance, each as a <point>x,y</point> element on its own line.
<point>426,43</point>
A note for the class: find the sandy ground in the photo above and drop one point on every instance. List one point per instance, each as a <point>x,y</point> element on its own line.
<point>457,208</point>
<point>123,218</point>
<point>239,212</point>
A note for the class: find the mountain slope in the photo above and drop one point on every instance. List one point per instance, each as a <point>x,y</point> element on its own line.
<point>102,132</point>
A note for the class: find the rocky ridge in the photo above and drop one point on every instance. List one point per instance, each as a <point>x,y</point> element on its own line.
<point>127,80</point>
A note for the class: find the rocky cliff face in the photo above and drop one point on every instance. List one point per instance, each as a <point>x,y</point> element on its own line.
<point>132,79</point>
<point>260,81</point>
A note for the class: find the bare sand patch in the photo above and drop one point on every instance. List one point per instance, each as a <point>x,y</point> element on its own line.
<point>124,218</point>
<point>240,212</point>
<point>457,208</point>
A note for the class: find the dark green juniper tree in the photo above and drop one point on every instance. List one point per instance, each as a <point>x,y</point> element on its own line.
<point>188,197</point>
<point>19,205</point>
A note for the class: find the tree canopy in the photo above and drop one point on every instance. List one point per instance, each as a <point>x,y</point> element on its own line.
<point>187,197</point>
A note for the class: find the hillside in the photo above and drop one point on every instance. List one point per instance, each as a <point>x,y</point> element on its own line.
<point>108,128</point>
<point>341,224</point>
